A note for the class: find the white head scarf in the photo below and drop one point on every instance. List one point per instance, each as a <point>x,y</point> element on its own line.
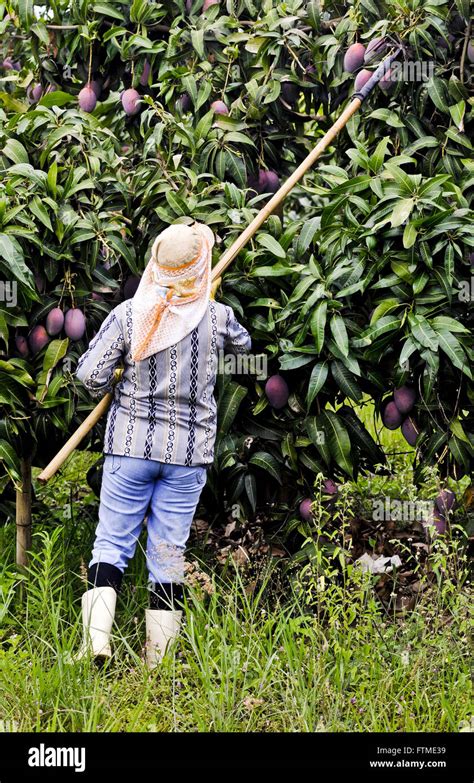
<point>174,290</point>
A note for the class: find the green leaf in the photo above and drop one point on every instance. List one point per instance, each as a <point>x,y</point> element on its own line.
<point>15,151</point>
<point>420,282</point>
<point>267,462</point>
<point>409,235</point>
<point>401,177</point>
<point>346,381</point>
<point>10,459</point>
<point>204,125</point>
<point>449,262</point>
<point>277,270</point>
<point>318,438</point>
<point>448,324</point>
<point>229,404</point>
<point>310,227</point>
<point>55,351</point>
<point>271,244</point>
<point>56,98</point>
<point>433,446</point>
<point>401,211</point>
<point>15,368</point>
<point>458,430</point>
<point>409,347</point>
<point>318,324</point>
<point>197,40</point>
<point>459,138</point>
<point>338,440</point>
<point>382,308</point>
<point>124,250</point>
<point>26,14</point>
<point>235,166</point>
<point>108,10</point>
<point>457,114</point>
<point>289,362</point>
<point>422,332</point>
<point>189,86</point>
<point>339,332</point>
<point>386,324</point>
<point>316,382</point>
<point>437,91</point>
<point>250,483</point>
<point>387,116</point>
<point>454,351</point>
<point>459,452</point>
<point>205,89</point>
<point>360,436</point>
<point>26,170</point>
<point>11,252</point>
<point>52,178</point>
<point>176,204</point>
<point>377,158</point>
<point>39,210</point>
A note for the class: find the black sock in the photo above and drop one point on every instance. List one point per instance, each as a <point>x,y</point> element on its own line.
<point>166,595</point>
<point>104,575</point>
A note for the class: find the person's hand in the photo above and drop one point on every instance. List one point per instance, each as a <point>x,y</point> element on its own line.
<point>215,286</point>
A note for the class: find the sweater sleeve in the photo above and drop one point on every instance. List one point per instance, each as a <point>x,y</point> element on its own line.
<point>97,365</point>
<point>237,339</point>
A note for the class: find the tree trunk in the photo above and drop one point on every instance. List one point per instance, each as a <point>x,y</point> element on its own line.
<point>23,514</point>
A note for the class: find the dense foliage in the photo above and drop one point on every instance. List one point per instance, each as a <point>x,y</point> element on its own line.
<point>363,285</point>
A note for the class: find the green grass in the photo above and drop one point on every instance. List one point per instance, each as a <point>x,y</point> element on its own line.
<point>243,662</point>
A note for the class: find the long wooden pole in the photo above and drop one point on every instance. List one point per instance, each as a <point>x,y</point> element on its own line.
<point>73,442</point>
<point>240,242</point>
<point>288,185</point>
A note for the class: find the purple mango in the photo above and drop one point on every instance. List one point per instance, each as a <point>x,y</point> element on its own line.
<point>219,107</point>
<point>21,344</point>
<point>362,78</point>
<point>75,324</point>
<point>410,431</point>
<point>354,57</point>
<point>276,389</point>
<point>391,416</point>
<point>145,74</point>
<point>54,321</point>
<point>404,398</point>
<point>290,92</point>
<point>38,338</point>
<point>130,102</point>
<point>445,501</point>
<point>305,509</point>
<point>330,487</point>
<point>375,50</point>
<point>87,99</point>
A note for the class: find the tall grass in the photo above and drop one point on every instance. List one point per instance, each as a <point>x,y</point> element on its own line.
<point>336,662</point>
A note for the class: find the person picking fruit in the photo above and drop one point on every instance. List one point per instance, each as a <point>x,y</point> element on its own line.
<point>160,432</point>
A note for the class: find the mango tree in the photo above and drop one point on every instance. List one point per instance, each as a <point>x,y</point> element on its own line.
<point>117,119</point>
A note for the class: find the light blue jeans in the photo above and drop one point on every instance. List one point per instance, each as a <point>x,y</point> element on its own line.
<point>131,487</point>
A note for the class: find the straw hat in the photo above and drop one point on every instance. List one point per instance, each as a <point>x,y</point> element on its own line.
<point>174,290</point>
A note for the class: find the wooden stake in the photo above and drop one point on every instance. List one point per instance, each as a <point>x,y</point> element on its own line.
<point>23,514</point>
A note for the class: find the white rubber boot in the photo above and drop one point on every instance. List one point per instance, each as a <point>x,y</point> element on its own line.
<point>98,611</point>
<point>162,627</point>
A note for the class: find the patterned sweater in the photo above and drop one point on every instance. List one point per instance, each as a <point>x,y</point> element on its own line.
<point>164,407</point>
